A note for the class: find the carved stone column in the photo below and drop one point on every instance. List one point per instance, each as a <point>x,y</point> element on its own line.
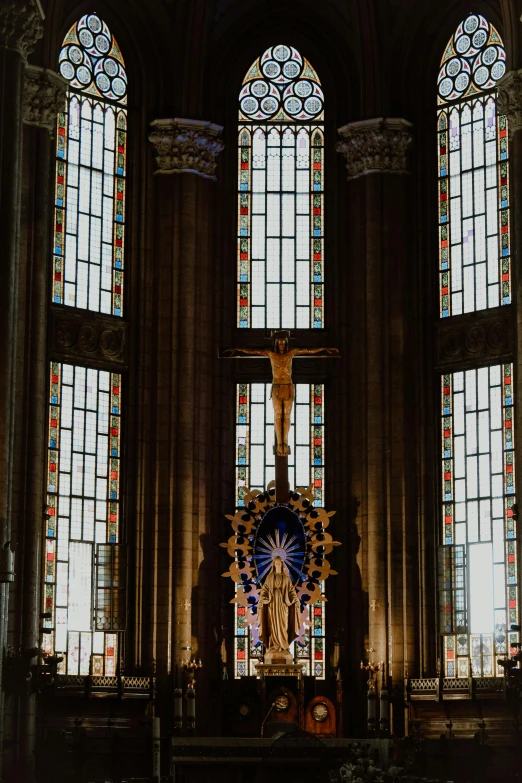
<point>182,381</point>
<point>509,102</point>
<point>20,28</point>
<point>381,313</point>
<point>44,97</point>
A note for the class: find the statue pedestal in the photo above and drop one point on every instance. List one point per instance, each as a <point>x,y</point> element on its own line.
<point>280,670</point>
<point>278,658</point>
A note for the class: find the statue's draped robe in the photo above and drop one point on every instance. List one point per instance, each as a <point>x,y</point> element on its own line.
<point>279,618</point>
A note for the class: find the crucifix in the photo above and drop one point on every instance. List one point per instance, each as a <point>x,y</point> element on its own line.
<point>283,393</point>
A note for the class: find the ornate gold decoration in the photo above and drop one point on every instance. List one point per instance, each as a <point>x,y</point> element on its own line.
<point>320,711</point>
<point>310,566</point>
<point>277,670</point>
<point>186,146</point>
<point>375,146</point>
<point>44,97</point>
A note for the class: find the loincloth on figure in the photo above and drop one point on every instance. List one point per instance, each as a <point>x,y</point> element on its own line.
<point>284,392</point>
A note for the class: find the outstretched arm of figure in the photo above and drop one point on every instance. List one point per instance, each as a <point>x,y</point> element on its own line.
<point>231,352</point>
<point>309,351</point>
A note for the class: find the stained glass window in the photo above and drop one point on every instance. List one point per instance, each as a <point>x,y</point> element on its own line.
<point>83,512</point>
<point>90,171</point>
<point>474,250</point>
<point>478,483</point>
<point>280,194</point>
<point>255,468</point>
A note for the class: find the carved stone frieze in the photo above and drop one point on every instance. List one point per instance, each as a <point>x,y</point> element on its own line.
<point>88,338</point>
<point>44,97</point>
<point>375,146</point>
<point>509,99</point>
<point>186,146</point>
<point>21,25</point>
<point>485,335</point>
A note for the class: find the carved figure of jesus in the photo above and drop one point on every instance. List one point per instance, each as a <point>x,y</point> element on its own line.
<point>283,392</point>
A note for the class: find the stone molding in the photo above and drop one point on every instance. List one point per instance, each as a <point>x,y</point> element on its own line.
<point>509,99</point>
<point>21,25</point>
<point>44,97</point>
<point>484,335</point>
<point>376,146</point>
<point>100,340</point>
<point>186,146</point>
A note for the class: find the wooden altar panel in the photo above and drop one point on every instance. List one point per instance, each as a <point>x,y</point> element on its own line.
<point>321,728</point>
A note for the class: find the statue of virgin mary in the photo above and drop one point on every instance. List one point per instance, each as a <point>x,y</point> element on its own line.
<point>278,613</point>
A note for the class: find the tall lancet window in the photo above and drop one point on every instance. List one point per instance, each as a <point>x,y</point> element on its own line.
<point>281,184</point>
<point>280,286</point>
<point>477,559</point>
<point>90,171</point>
<point>84,596</point>
<point>473,173</point>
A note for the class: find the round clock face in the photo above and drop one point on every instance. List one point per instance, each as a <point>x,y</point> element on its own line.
<point>320,711</point>
<point>282,702</point>
<point>244,711</point>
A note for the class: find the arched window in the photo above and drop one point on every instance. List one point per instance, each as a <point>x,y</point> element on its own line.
<point>281,183</point>
<point>84,561</point>
<point>473,173</point>
<point>281,276</point>
<point>477,559</point>
<point>90,172</point>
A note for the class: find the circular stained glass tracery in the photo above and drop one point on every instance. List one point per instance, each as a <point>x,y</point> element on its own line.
<point>90,60</point>
<point>474,60</point>
<point>281,84</point>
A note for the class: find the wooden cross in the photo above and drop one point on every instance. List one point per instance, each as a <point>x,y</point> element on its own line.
<point>282,394</point>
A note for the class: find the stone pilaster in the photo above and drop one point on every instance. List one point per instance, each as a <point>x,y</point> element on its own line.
<point>382,413</point>
<point>186,146</point>
<point>44,97</point>
<point>182,383</point>
<point>20,28</point>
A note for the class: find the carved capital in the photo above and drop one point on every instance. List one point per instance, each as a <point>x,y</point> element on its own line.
<point>86,337</point>
<point>21,25</point>
<point>375,146</point>
<point>186,146</point>
<point>509,99</point>
<point>44,97</point>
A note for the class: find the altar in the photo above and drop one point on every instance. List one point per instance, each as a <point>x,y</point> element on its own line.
<point>293,757</point>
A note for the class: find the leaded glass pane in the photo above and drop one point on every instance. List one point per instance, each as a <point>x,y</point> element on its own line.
<point>478,518</point>
<point>83,509</point>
